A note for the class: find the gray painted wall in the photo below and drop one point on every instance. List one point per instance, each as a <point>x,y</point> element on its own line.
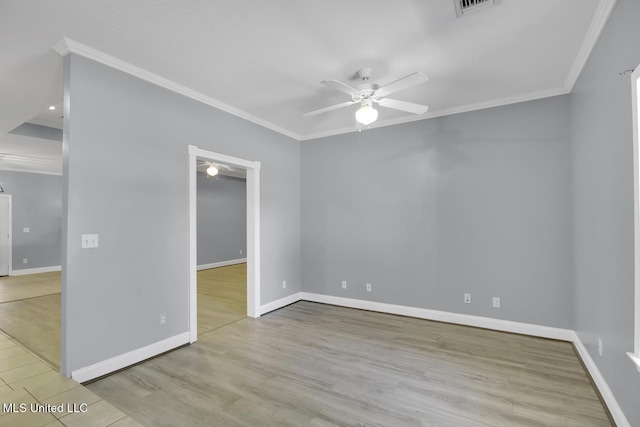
<point>427,211</point>
<point>113,188</point>
<point>37,205</point>
<point>222,218</point>
<point>602,159</point>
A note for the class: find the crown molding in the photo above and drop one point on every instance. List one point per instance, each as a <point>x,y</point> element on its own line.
<point>31,164</point>
<point>603,11</point>
<point>66,46</point>
<point>531,96</point>
<point>29,160</point>
<point>29,170</point>
<point>605,7</point>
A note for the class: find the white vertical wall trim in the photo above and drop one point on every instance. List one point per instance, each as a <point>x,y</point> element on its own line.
<point>193,247</point>
<point>253,240</point>
<point>10,232</point>
<point>635,108</point>
<point>603,387</point>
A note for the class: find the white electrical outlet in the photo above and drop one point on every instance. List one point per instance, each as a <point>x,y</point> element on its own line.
<point>240,251</point>
<point>163,318</point>
<point>344,284</point>
<point>26,230</point>
<point>24,260</point>
<point>496,302</point>
<point>368,287</point>
<point>467,298</point>
<point>284,284</point>
<point>599,346</point>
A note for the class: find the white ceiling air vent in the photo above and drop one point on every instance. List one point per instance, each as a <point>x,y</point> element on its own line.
<point>464,7</point>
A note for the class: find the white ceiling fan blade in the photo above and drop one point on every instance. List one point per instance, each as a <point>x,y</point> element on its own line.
<point>333,107</point>
<point>341,87</point>
<point>409,107</point>
<point>403,83</point>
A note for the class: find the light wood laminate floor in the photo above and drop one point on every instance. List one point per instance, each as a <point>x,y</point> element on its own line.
<point>222,296</point>
<point>31,315</point>
<point>321,365</point>
<point>14,288</point>
<point>24,379</point>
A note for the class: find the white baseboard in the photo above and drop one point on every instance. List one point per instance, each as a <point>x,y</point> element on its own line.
<point>127,359</point>
<point>25,271</point>
<point>444,316</point>
<point>222,264</point>
<point>282,302</point>
<point>603,387</point>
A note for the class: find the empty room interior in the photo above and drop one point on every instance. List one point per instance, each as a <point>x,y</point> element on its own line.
<point>284,213</point>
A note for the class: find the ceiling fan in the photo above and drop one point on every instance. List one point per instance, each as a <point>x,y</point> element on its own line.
<point>370,94</point>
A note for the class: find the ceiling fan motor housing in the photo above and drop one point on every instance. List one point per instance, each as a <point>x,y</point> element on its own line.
<point>364,74</point>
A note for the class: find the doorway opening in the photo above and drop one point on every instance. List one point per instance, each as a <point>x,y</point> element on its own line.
<point>222,244</point>
<point>252,171</point>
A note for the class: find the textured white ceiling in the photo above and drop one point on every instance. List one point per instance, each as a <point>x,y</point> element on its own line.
<point>267,57</point>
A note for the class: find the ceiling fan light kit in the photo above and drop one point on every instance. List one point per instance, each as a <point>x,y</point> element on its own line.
<point>366,114</point>
<point>212,170</point>
<point>368,94</point>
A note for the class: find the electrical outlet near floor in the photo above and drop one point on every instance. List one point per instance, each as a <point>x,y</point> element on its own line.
<point>344,284</point>
<point>240,251</point>
<point>467,298</point>
<point>24,260</point>
<point>163,318</point>
<point>368,287</point>
<point>496,302</point>
<point>284,284</point>
<point>600,346</point>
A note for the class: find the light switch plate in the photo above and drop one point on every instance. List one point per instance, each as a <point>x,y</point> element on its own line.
<point>26,230</point>
<point>89,241</point>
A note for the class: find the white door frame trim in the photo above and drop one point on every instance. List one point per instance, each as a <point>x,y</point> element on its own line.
<point>253,232</point>
<point>635,94</point>
<point>10,219</point>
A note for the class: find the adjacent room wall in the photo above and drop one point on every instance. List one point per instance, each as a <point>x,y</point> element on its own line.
<point>38,131</point>
<point>222,218</point>
<point>127,179</point>
<point>427,211</point>
<point>603,243</point>
<point>37,205</point>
